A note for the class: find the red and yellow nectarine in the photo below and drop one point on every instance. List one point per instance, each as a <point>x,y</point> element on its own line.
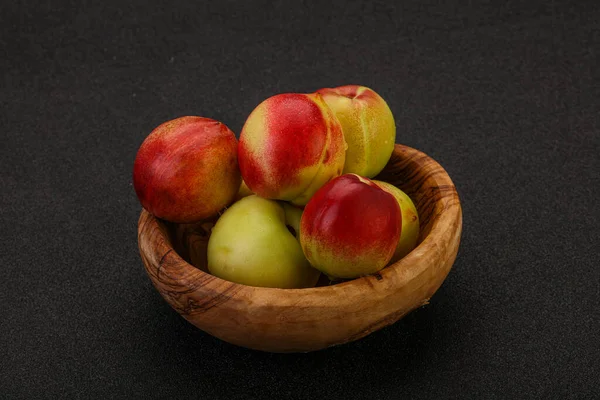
<point>350,227</point>
<point>290,145</point>
<point>368,125</point>
<point>187,169</point>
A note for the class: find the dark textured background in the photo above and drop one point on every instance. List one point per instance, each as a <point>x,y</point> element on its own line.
<point>504,94</point>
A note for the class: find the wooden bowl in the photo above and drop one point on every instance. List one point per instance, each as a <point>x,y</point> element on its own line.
<point>299,320</point>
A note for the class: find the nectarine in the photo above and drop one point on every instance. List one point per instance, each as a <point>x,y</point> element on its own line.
<point>251,244</point>
<point>187,169</point>
<point>368,125</point>
<point>350,227</point>
<point>290,145</point>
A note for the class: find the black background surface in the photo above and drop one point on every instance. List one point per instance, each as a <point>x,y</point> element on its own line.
<point>505,95</point>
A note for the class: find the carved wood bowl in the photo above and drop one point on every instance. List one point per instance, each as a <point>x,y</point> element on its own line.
<point>300,320</point>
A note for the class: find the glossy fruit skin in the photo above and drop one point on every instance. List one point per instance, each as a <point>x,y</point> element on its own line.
<point>410,221</point>
<point>250,244</point>
<point>187,170</point>
<point>350,227</point>
<point>290,145</point>
<point>368,125</point>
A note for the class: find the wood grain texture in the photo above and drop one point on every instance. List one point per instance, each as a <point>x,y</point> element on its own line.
<point>299,320</point>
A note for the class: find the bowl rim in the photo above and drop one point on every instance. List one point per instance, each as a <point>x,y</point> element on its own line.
<point>395,274</point>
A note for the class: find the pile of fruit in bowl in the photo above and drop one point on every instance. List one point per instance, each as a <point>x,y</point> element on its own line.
<point>314,229</point>
<point>294,197</point>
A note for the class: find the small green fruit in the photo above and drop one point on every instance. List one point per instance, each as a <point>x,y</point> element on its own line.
<point>251,244</point>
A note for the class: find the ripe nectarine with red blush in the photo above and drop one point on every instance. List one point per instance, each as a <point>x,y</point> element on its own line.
<point>350,227</point>
<point>187,170</point>
<point>290,145</point>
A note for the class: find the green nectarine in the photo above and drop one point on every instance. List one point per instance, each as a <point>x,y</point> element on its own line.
<point>252,245</point>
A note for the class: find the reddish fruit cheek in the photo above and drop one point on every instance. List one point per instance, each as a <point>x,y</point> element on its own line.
<point>351,218</point>
<point>169,164</point>
<point>157,176</point>
<point>297,134</point>
<point>145,171</point>
<point>140,181</point>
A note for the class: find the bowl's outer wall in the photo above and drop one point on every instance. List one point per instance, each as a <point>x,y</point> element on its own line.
<point>299,320</point>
